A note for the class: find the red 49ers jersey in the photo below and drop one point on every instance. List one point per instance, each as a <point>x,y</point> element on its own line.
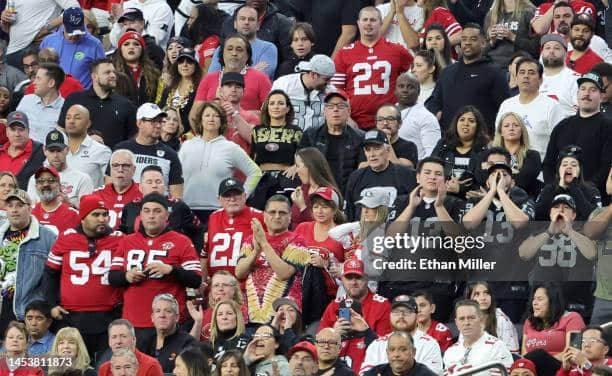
<point>368,76</point>
<point>444,17</point>
<point>60,219</point>
<point>115,201</point>
<point>225,237</point>
<point>137,251</point>
<point>84,283</point>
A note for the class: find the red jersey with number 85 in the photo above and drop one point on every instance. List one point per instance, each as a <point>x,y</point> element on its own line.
<point>137,251</point>
<point>368,76</point>
<point>84,275</point>
<point>225,237</point>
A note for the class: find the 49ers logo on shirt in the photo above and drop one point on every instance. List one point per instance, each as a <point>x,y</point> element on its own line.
<point>139,259</point>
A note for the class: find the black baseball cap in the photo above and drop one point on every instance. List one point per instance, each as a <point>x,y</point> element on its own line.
<point>583,19</point>
<point>55,139</point>
<point>230,184</point>
<point>406,301</point>
<point>375,136</point>
<point>564,199</point>
<point>131,14</point>
<point>188,53</point>
<point>573,151</point>
<point>594,78</point>
<point>232,77</point>
<point>156,197</point>
<point>499,165</point>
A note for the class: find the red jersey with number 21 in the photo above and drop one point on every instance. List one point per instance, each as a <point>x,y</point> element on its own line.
<point>84,276</point>
<point>368,76</point>
<point>225,237</point>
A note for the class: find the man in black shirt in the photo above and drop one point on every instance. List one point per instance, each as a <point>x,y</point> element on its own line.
<point>149,151</point>
<point>335,22</point>
<point>403,152</point>
<point>339,142</point>
<point>111,114</point>
<point>398,180</point>
<point>590,129</point>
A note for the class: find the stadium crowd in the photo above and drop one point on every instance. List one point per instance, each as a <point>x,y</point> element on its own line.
<point>319,187</point>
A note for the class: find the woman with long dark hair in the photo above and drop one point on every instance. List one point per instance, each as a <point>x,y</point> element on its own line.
<point>436,11</point>
<point>465,138</point>
<point>303,39</point>
<point>274,144</point>
<point>131,59</point>
<point>436,40</point>
<point>204,28</point>
<point>496,322</point>
<point>191,362</point>
<point>185,75</point>
<point>175,45</point>
<point>426,71</point>
<point>264,350</point>
<point>172,128</point>
<point>313,171</point>
<point>231,363</point>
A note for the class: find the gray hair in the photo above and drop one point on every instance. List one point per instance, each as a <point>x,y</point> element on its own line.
<point>404,335</point>
<point>123,352</point>
<point>123,322</point>
<point>166,298</point>
<point>126,152</point>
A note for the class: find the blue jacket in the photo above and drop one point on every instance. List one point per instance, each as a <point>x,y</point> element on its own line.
<point>31,258</point>
<point>75,58</point>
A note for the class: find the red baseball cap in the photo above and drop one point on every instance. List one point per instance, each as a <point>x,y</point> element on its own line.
<point>352,266</point>
<point>49,169</point>
<point>327,193</point>
<point>338,93</point>
<point>303,346</point>
<point>90,203</point>
<point>524,363</point>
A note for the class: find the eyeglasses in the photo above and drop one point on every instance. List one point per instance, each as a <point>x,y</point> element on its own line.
<point>121,166</point>
<point>388,119</point>
<point>339,106</point>
<point>326,343</point>
<point>591,341</point>
<point>262,336</point>
<point>401,312</point>
<point>30,66</point>
<point>274,213</point>
<point>46,181</point>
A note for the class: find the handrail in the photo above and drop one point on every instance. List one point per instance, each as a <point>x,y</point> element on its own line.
<point>484,367</point>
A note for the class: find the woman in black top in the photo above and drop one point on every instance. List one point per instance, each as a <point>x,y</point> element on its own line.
<point>172,128</point>
<point>275,142</point>
<point>465,138</point>
<point>569,180</point>
<point>511,134</point>
<point>185,75</point>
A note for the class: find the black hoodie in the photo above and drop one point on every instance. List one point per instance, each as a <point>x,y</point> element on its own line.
<point>480,84</point>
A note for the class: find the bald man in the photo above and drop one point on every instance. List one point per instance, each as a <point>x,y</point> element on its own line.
<point>85,155</point>
<point>328,342</point>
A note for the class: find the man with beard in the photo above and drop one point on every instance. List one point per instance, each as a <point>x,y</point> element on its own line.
<point>74,184</point>
<point>417,124</point>
<point>369,315</point>
<point>85,154</point>
<point>112,115</point>
<point>389,119</point>
<point>52,211</point>
<point>403,319</point>
<point>605,71</point>
<point>589,129</point>
<point>539,112</point>
<point>307,88</point>
<point>582,58</point>
<point>76,275</point>
<point>482,84</point>
<point>401,358</point>
<point>558,81</point>
<point>328,342</point>
<point>265,54</point>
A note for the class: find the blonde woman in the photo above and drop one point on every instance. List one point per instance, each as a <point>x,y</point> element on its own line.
<point>508,29</point>
<point>70,347</point>
<point>227,327</point>
<point>511,134</point>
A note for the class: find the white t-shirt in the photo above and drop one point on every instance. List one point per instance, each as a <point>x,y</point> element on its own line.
<point>541,116</point>
<point>415,16</point>
<point>506,331</point>
<point>486,349</point>
<point>427,352</point>
<point>563,88</point>
<point>421,127</point>
<point>74,184</point>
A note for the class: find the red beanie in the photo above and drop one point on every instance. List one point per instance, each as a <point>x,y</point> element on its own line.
<point>131,35</point>
<point>90,203</point>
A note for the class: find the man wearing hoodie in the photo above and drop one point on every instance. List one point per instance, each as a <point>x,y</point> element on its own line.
<point>473,80</point>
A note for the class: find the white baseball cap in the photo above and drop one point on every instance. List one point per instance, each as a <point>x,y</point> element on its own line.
<point>149,111</point>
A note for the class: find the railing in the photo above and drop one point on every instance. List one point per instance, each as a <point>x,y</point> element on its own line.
<point>484,367</point>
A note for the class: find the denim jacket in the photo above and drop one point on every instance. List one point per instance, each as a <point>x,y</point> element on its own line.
<point>31,258</point>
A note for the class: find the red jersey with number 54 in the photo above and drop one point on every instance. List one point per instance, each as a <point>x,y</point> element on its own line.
<point>368,76</point>
<point>137,251</point>
<point>116,201</point>
<point>84,274</point>
<point>225,236</point>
